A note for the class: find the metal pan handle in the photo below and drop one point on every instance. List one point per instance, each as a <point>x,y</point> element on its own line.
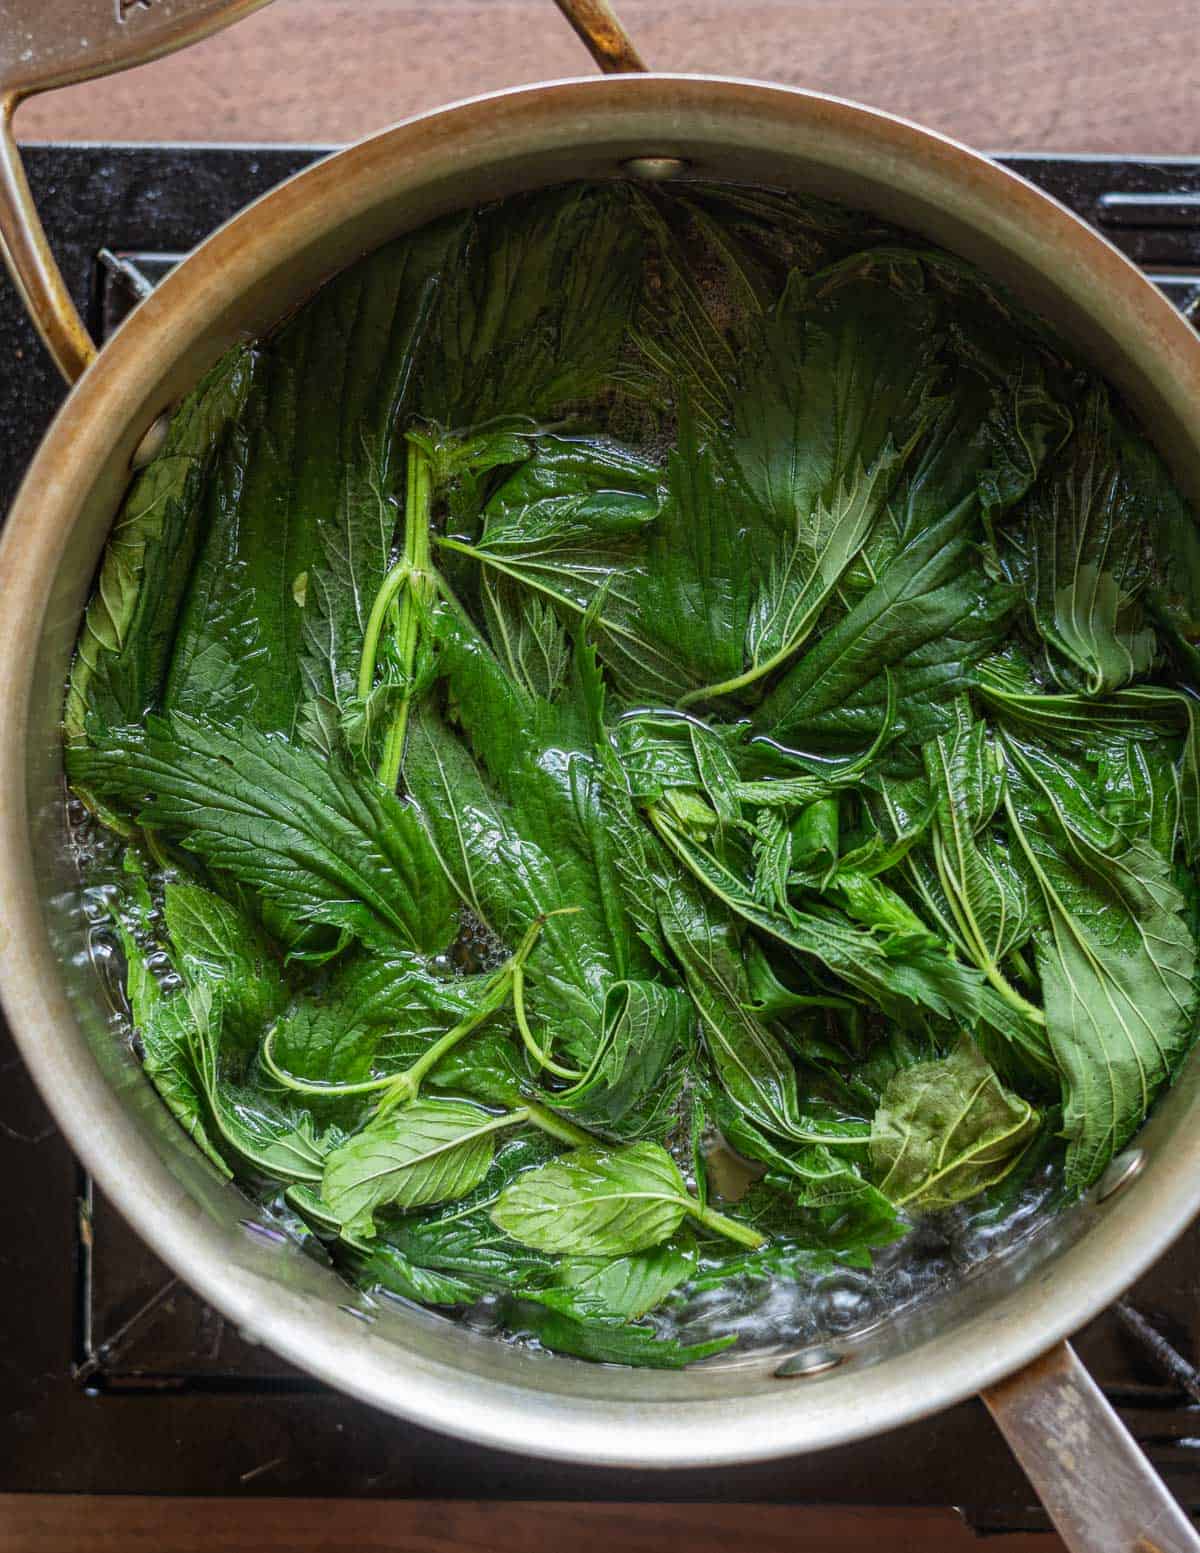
<point>41,48</point>
<point>1098,1488</point>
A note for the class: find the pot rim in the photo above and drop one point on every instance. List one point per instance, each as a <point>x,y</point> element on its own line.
<point>100,423</point>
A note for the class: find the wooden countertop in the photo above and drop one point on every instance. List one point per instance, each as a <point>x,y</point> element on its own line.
<point>1075,75</point>
<point>82,1524</point>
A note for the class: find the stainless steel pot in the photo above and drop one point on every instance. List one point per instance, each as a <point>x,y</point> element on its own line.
<point>998,1333</point>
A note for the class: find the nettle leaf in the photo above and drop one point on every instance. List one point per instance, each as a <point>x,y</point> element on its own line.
<point>124,647</point>
<point>532,837</point>
<point>428,1152</point>
<point>830,406</point>
<point>1080,555</point>
<point>923,625</point>
<point>323,845</point>
<point>458,1240</point>
<point>630,1285</point>
<point>534,308</point>
<point>527,636</point>
<point>838,381</point>
<point>987,895</point>
<point>596,1202</point>
<point>698,313</point>
<point>215,944</point>
<point>753,1068</point>
<point>921,976</point>
<point>566,1321</point>
<point>646,1029</point>
<point>371,1012</point>
<point>840,1208</point>
<point>165,1025</point>
<point>1117,964</point>
<point>947,1130</point>
<point>388,1268</point>
<point>298,505</point>
<point>181,1042</point>
<point>380,313</point>
<point>569,525</point>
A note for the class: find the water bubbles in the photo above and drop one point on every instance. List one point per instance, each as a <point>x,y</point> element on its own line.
<point>476,948</point>
<point>848,1301</point>
<point>938,1254</point>
<point>441,966</point>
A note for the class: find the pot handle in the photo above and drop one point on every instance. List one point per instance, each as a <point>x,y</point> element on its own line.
<point>41,48</point>
<point>1098,1488</point>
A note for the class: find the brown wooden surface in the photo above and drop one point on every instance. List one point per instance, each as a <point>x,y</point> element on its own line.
<point>50,1524</point>
<point>1055,75</point>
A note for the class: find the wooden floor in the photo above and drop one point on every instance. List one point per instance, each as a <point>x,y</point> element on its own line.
<point>44,1524</point>
<point>1060,75</point>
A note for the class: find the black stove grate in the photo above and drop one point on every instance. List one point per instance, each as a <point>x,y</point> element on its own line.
<point>118,1379</point>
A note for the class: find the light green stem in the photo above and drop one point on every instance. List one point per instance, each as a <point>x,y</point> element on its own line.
<point>404,1086</point>
<point>1021,966</point>
<point>732,1229</point>
<point>757,671</point>
<point>396,579</point>
<point>558,1126</point>
<point>411,576</point>
<point>540,1054</point>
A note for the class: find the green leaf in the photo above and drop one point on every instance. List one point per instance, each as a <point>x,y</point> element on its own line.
<point>457,1239</point>
<point>986,894</point>
<point>323,845</point>
<point>125,643</point>
<point>596,1202</point>
<point>300,494</point>
<point>379,314</point>
<point>829,408</point>
<point>532,837</point>
<point>646,1031</point>
<point>753,1068</point>
<point>1080,555</point>
<point>1117,964</point>
<point>527,636</point>
<point>947,1130</point>
<point>924,977</point>
<point>534,306</point>
<point>630,1285</point>
<point>215,945</point>
<point>388,1268</point>
<point>166,1026</point>
<point>931,616</point>
<point>428,1152</point>
<point>371,1012</point>
<point>589,1331</point>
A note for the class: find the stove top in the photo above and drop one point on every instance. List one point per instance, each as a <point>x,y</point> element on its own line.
<point>118,1379</point>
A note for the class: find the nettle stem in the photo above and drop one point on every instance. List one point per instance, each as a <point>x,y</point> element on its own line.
<point>403,1087</point>
<point>407,593</point>
<point>975,943</point>
<point>732,1229</point>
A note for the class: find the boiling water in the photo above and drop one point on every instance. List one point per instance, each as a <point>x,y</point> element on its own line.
<point>940,1253</point>
<point>768,1314</point>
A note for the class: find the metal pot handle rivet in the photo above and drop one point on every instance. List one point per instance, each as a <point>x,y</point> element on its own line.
<point>809,1362</point>
<point>1122,1170</point>
<point>654,169</point>
<point>151,443</point>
